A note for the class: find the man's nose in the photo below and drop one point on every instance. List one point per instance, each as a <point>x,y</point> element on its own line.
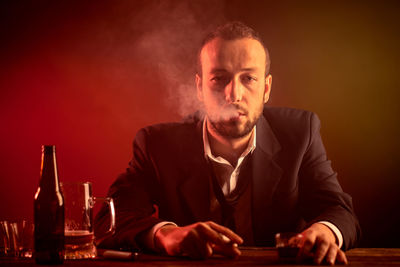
<point>233,91</point>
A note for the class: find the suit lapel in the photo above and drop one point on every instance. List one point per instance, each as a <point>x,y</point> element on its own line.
<point>194,187</point>
<point>266,175</point>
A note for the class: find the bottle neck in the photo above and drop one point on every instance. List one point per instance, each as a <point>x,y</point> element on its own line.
<point>48,170</point>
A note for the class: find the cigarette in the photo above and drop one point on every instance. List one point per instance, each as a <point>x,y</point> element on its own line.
<point>119,255</point>
<point>227,240</point>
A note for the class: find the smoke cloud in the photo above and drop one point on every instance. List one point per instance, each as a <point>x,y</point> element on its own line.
<point>170,43</point>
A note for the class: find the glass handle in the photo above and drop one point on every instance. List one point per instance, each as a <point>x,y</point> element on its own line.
<point>111,230</point>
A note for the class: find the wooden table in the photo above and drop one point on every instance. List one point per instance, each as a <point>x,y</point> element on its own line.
<point>249,257</point>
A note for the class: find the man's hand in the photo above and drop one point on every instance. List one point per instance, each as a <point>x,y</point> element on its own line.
<point>319,242</point>
<point>199,240</point>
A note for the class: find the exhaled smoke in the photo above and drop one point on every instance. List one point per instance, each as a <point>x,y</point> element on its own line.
<point>224,111</point>
<point>170,45</point>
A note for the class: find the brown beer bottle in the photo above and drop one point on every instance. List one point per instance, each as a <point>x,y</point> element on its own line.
<point>49,212</point>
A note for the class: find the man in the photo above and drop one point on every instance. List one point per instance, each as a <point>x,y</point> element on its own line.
<point>235,176</point>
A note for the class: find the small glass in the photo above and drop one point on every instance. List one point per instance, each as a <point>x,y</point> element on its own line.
<point>7,245</point>
<point>23,237</point>
<point>288,245</point>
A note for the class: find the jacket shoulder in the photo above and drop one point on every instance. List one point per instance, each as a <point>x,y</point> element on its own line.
<point>169,137</point>
<point>171,128</point>
<point>291,124</point>
<point>291,114</point>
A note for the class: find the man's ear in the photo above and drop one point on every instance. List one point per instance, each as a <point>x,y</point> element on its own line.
<point>267,88</point>
<point>199,88</point>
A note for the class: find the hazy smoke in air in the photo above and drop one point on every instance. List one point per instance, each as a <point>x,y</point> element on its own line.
<point>226,111</point>
<point>176,31</point>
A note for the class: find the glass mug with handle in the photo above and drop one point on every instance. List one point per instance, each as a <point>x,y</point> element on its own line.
<point>79,236</point>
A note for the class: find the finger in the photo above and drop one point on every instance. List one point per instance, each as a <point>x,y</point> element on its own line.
<point>295,241</point>
<point>341,257</point>
<point>322,249</point>
<point>224,244</point>
<point>196,247</point>
<point>187,246</point>
<point>331,255</point>
<point>203,250</point>
<point>226,231</point>
<point>229,251</point>
<point>307,244</point>
<point>212,235</point>
<point>209,234</point>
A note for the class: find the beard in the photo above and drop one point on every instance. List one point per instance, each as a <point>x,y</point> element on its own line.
<point>232,128</point>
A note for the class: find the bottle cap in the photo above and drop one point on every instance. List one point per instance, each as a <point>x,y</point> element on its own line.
<point>48,148</point>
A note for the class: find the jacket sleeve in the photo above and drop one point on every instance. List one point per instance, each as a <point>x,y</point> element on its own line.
<point>134,195</point>
<point>321,196</point>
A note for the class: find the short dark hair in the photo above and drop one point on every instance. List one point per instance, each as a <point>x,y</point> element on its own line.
<point>232,31</point>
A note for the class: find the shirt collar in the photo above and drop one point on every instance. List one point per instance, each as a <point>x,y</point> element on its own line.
<point>207,149</point>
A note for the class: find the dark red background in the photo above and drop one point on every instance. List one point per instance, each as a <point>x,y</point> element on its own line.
<point>86,75</point>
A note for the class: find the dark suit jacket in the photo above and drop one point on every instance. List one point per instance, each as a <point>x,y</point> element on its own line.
<point>292,180</point>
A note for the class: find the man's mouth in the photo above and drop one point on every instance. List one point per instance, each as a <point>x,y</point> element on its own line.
<point>237,115</point>
<point>230,114</point>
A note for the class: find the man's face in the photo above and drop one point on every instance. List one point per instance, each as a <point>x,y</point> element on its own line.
<point>233,86</point>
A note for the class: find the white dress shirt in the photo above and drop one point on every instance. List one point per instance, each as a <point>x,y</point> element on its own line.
<point>227,175</point>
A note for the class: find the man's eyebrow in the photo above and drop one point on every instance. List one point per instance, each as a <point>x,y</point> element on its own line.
<point>219,70</point>
<point>249,69</point>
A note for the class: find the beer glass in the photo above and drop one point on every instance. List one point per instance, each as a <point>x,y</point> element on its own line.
<point>79,237</point>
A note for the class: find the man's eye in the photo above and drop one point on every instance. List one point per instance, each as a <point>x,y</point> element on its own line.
<point>249,78</point>
<point>219,79</point>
